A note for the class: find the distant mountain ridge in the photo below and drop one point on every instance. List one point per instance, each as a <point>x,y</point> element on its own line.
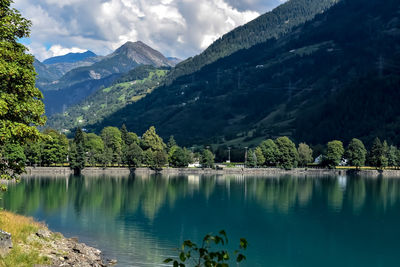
<point>69,58</point>
<point>92,73</point>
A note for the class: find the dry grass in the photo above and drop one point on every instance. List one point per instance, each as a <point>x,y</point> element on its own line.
<point>22,253</point>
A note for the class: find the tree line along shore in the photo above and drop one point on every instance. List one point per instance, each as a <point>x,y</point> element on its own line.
<point>120,148</point>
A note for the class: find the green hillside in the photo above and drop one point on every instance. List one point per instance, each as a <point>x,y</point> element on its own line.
<point>273,24</point>
<point>337,76</point>
<point>127,89</point>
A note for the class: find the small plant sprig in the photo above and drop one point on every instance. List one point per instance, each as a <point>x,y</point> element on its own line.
<point>205,257</point>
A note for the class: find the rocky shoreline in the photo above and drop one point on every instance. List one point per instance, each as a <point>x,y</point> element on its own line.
<point>56,249</point>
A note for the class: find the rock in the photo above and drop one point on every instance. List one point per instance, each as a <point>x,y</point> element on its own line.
<point>5,243</point>
<point>43,233</point>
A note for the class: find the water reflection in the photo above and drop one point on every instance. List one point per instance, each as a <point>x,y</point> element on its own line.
<point>139,219</point>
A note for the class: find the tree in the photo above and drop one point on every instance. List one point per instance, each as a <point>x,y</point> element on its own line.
<point>33,152</point>
<point>269,151</point>
<point>94,147</point>
<point>287,156</point>
<point>21,108</point>
<point>205,255</point>
<point>134,155</point>
<point>334,154</point>
<point>207,159</point>
<point>124,134</point>
<point>179,158</point>
<point>77,152</point>
<point>150,140</point>
<point>55,147</point>
<point>171,143</point>
<point>356,153</point>
<point>378,157</point>
<point>392,156</point>
<point>113,142</point>
<point>252,159</point>
<point>259,156</point>
<point>305,154</point>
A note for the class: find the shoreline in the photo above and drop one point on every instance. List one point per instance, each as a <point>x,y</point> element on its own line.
<point>267,172</point>
<point>31,243</point>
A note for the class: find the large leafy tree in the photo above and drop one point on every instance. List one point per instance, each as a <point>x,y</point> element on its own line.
<point>287,156</point>
<point>112,139</point>
<point>305,154</point>
<point>356,153</point>
<point>269,151</point>
<point>21,108</point>
<point>334,154</point>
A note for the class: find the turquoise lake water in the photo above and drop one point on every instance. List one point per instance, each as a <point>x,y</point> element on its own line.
<point>288,221</point>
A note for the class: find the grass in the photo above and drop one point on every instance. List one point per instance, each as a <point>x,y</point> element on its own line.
<point>21,228</point>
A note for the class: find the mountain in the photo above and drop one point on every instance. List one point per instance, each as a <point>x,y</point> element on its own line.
<point>129,88</point>
<point>334,77</point>
<point>46,74</point>
<point>69,58</point>
<point>174,60</point>
<point>75,85</point>
<point>272,24</point>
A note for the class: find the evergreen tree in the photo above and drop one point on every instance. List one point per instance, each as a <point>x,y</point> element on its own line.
<point>305,154</point>
<point>259,156</point>
<point>287,156</point>
<point>171,143</point>
<point>150,140</point>
<point>334,154</point>
<point>124,134</point>
<point>392,155</point>
<point>21,108</point>
<point>356,153</point>
<point>251,159</point>
<point>378,154</point>
<point>77,152</point>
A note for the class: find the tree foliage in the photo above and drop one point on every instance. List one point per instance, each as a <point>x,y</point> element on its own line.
<point>334,154</point>
<point>356,153</point>
<point>21,108</point>
<point>205,255</point>
<point>305,154</point>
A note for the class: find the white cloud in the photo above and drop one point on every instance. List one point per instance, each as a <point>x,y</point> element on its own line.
<point>174,27</point>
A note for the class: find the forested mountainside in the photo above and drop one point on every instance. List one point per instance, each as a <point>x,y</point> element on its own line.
<point>126,89</point>
<point>270,25</point>
<point>337,76</point>
<point>75,85</point>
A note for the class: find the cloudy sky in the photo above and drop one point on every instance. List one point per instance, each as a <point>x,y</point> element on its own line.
<point>180,28</point>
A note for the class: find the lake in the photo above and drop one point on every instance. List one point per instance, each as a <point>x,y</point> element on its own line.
<point>288,221</point>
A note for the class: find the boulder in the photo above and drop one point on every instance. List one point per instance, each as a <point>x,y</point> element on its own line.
<point>5,243</point>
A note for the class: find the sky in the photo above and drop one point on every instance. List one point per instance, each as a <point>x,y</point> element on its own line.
<point>178,28</point>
